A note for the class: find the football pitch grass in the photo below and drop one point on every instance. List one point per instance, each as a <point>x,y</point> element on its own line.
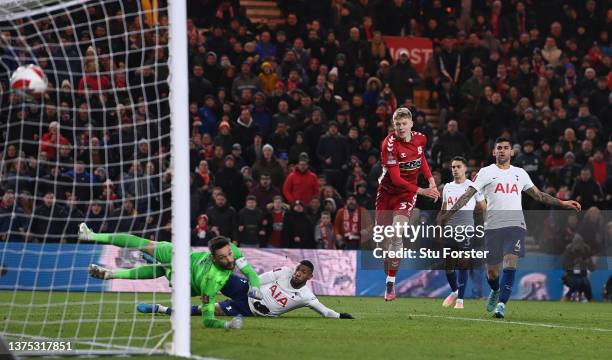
<point>406,328</point>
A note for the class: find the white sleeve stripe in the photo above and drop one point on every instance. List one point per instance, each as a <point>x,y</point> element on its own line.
<point>242,262</point>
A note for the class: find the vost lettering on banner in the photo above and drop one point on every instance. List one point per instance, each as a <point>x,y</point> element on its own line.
<point>420,50</point>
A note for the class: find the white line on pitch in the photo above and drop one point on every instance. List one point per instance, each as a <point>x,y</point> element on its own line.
<point>512,322</point>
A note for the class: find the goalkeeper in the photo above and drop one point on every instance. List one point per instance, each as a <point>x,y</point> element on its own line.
<point>209,270</point>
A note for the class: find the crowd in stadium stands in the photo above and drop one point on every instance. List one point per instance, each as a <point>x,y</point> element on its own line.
<point>286,119</point>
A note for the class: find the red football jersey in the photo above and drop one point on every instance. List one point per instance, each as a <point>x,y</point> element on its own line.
<point>409,156</point>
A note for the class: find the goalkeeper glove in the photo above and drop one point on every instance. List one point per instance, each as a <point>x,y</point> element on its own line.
<point>255,293</point>
<point>346,316</point>
<point>235,323</point>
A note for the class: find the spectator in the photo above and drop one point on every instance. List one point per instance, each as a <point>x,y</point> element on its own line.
<point>74,216</point>
<point>324,232</point>
<point>199,86</point>
<point>498,117</point>
<point>264,192</point>
<point>224,138</point>
<point>201,234</point>
<point>586,191</point>
<point>281,139</point>
<point>551,53</point>
<point>126,219</point>
<point>297,228</point>
<point>364,199</point>
<point>51,140</point>
<point>450,144</point>
<point>245,81</point>
<point>570,171</point>
<point>261,115</point>
<point>273,222</point>
<point>208,117</point>
<point>19,177</point>
<point>267,77</point>
<point>584,121</point>
<point>585,153</point>
<point>239,162</point>
<point>531,163</point>
<point>96,217</point>
<point>403,78</point>
<point>250,224</point>
<point>265,48</point>
<point>13,223</point>
<point>231,181</point>
<point>599,167</point>
<point>350,224</point>
<point>135,182</point>
<point>245,129</point>
<point>301,184</point>
<point>82,181</point>
<point>332,152</point>
<point>49,220</point>
<point>298,147</point>
<point>222,217</point>
<point>555,161</point>
<point>269,164</point>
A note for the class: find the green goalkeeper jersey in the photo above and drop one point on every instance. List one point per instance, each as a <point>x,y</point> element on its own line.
<point>207,279</point>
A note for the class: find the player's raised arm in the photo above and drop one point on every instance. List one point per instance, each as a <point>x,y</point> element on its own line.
<point>548,199</point>
<point>248,271</point>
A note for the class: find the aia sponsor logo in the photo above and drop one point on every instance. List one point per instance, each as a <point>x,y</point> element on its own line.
<point>506,188</point>
<point>278,295</point>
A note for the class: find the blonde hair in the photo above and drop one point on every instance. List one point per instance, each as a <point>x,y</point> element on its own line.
<point>402,113</point>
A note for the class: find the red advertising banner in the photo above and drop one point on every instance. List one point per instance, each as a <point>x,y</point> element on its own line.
<point>420,50</point>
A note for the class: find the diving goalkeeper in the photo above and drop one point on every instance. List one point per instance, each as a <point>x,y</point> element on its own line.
<point>209,270</point>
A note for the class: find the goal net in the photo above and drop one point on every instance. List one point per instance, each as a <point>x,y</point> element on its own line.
<point>96,147</point>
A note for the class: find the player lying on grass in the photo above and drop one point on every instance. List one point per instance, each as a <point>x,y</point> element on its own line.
<point>505,229</point>
<point>462,219</point>
<point>283,290</point>
<point>210,271</point>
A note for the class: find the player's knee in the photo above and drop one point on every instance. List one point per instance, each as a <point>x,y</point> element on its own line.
<point>510,261</point>
<point>493,273</point>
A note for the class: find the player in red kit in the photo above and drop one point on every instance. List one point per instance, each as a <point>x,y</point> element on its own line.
<point>402,158</point>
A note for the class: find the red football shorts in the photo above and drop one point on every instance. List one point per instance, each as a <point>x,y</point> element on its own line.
<point>389,205</point>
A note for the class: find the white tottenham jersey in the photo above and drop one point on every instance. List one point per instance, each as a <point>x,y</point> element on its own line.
<point>502,190</point>
<point>280,297</point>
<point>451,193</point>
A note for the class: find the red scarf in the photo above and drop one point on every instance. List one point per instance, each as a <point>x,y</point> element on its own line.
<point>200,229</point>
<point>205,177</point>
<point>325,232</point>
<point>350,224</point>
